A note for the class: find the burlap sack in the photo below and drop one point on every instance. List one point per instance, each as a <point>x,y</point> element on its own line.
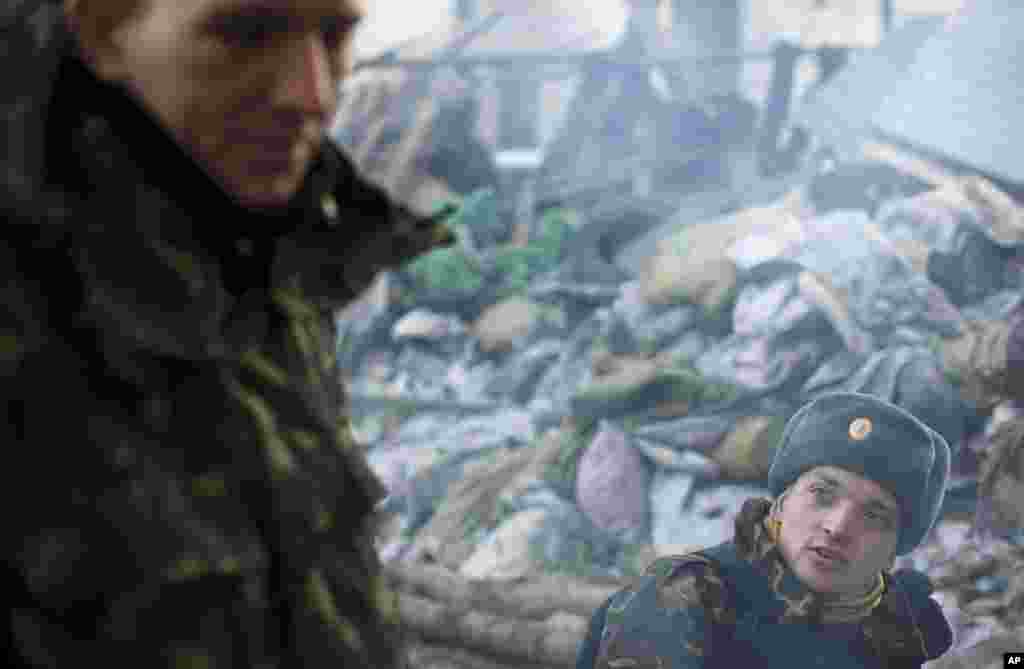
<point>507,324</point>
<point>694,265</point>
<point>748,450</point>
<point>977,361</point>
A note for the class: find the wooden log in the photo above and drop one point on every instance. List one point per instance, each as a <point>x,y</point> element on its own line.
<point>422,655</point>
<point>535,598</point>
<point>505,639</point>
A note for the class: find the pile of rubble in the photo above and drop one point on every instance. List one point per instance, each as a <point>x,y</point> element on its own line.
<point>542,408</point>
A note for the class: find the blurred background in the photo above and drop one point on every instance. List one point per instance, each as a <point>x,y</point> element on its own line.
<point>677,223</point>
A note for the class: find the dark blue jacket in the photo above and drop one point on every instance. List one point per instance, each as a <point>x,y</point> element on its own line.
<point>714,609</point>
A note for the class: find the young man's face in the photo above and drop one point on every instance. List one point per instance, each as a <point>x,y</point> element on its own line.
<point>838,530</point>
<point>247,87</point>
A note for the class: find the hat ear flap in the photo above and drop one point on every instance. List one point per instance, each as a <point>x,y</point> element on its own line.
<point>930,506</point>
<point>777,478</point>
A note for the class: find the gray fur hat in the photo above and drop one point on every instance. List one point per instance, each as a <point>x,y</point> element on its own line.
<point>874,439</point>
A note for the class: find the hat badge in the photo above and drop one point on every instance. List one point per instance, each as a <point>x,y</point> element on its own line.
<point>860,428</point>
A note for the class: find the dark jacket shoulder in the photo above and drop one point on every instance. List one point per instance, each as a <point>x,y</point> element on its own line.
<point>643,621</point>
<point>909,597</point>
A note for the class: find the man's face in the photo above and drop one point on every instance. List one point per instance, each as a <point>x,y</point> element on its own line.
<point>247,87</point>
<point>838,530</point>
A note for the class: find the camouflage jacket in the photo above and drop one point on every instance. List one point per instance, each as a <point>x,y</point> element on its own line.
<point>735,605</point>
<point>185,490</point>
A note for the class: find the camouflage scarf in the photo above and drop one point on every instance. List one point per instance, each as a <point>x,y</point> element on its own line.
<point>887,626</point>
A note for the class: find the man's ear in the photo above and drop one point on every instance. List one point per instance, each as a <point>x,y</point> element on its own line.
<point>97,42</point>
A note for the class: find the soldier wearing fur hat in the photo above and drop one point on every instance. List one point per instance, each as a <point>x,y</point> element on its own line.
<point>807,580</point>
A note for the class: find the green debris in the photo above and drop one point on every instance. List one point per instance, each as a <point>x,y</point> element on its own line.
<point>515,266</point>
<point>647,345</point>
<point>505,510</point>
<point>479,209</point>
<point>563,471</point>
<point>724,306</point>
<point>681,360</point>
<point>553,315</point>
<point>686,384</point>
<point>632,423</point>
<point>448,269</point>
<point>405,411</point>
<point>556,226</point>
<point>473,525</point>
<point>676,384</point>
<point>453,270</point>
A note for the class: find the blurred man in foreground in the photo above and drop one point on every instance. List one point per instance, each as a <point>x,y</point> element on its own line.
<point>178,234</point>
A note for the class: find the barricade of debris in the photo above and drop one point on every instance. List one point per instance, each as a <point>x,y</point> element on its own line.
<point>551,411</point>
<point>533,621</point>
<point>533,414</point>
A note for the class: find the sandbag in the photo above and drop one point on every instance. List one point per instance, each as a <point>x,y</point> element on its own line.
<point>694,265</point>
<point>881,289</point>
<point>612,483</point>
